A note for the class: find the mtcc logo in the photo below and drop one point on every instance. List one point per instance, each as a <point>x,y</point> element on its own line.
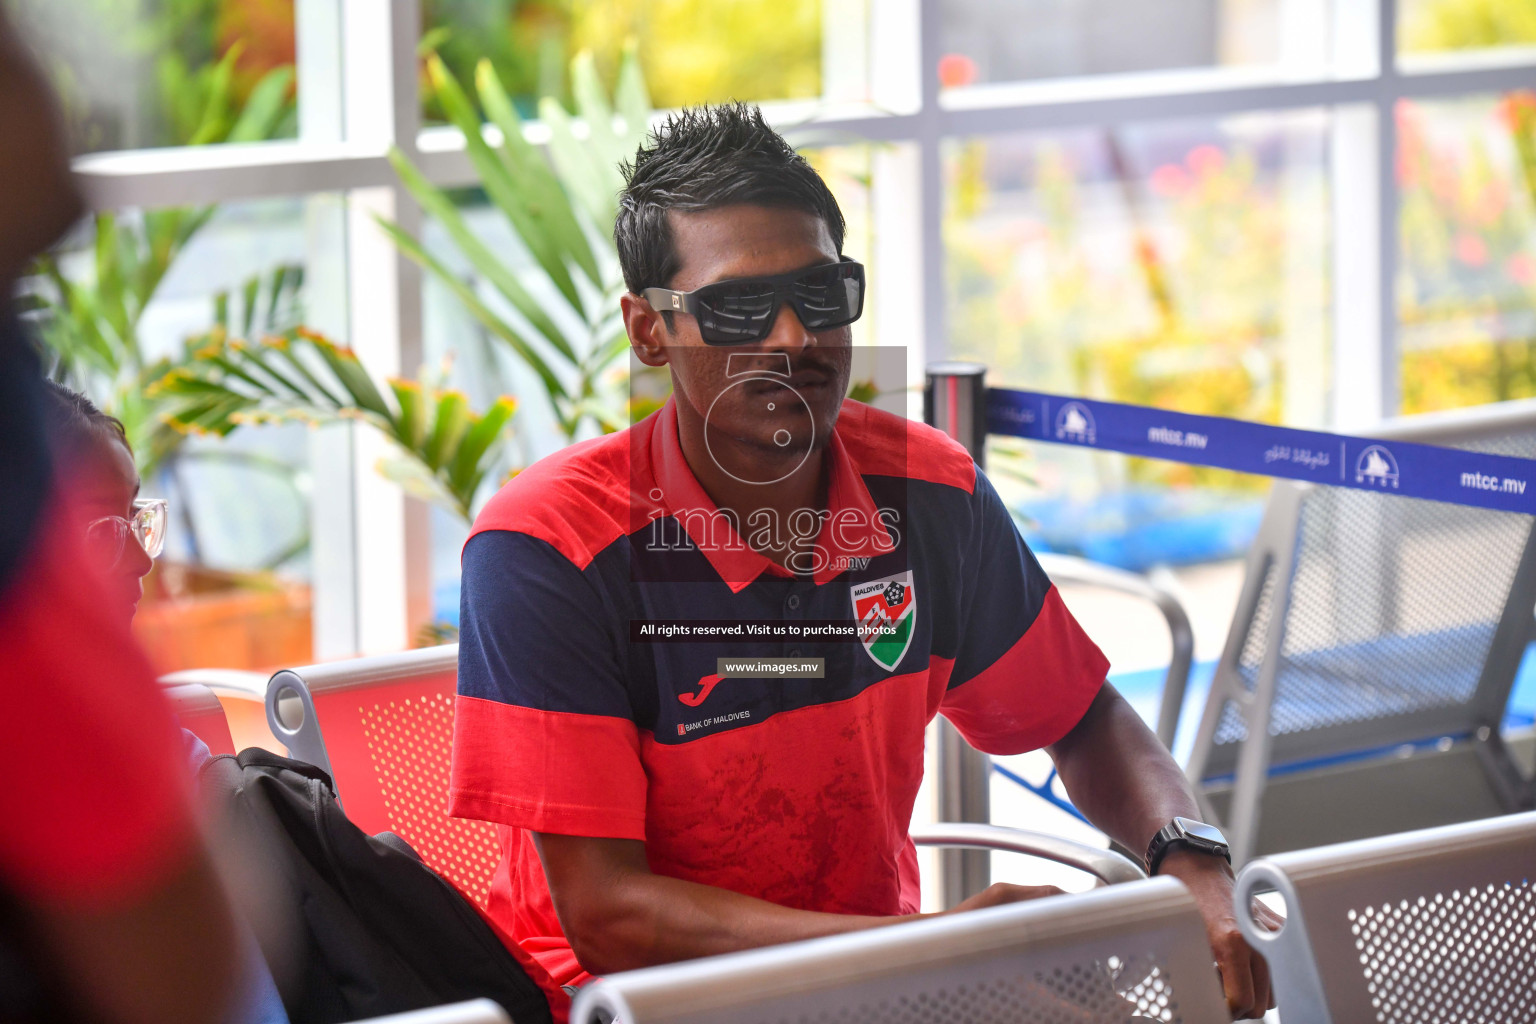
<point>1075,423</point>
<point>1376,466</point>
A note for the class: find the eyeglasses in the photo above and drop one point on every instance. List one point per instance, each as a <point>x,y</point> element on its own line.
<point>105,538</point>
<point>744,310</point>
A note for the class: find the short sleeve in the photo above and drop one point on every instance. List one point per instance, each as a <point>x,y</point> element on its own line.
<point>1024,672</point>
<point>544,731</point>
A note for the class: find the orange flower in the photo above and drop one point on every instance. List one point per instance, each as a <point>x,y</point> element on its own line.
<point>265,29</point>
<point>1516,110</point>
<point>956,71</point>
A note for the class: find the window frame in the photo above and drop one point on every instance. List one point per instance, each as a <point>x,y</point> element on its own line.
<point>358,76</point>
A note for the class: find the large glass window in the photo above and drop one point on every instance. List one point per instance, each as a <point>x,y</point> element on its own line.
<point>985,42</point>
<point>1178,265</point>
<point>134,293</point>
<point>463,353</point>
<point>1186,258</point>
<point>1467,290</point>
<point>134,74</point>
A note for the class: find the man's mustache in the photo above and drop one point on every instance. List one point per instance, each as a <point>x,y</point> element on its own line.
<point>780,365</point>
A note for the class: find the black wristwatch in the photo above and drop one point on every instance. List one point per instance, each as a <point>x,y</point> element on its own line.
<point>1187,832</point>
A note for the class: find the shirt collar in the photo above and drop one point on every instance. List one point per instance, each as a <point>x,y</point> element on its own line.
<point>852,527</point>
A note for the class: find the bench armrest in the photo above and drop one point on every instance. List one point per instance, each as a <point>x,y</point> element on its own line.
<point>475,1011</point>
<point>1105,865</point>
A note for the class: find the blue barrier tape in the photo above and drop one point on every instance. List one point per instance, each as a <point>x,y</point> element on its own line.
<point>1042,791</point>
<point>1403,468</point>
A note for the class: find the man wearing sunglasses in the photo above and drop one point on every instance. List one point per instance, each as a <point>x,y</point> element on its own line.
<point>656,810</point>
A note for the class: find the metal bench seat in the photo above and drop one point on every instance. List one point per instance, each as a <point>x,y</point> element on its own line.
<point>1109,956</point>
<point>1437,925</point>
<point>1368,621</point>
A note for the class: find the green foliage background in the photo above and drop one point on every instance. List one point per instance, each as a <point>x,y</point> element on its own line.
<point>690,51</point>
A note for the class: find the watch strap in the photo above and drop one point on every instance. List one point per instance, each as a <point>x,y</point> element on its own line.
<point>1172,835</point>
<point>1159,846</point>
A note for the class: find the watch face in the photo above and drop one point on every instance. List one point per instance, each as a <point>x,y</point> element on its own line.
<point>1200,830</point>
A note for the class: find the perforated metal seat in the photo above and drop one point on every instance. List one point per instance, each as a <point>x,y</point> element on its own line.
<point>1110,956</point>
<point>1368,622</point>
<point>1430,927</point>
<point>387,741</point>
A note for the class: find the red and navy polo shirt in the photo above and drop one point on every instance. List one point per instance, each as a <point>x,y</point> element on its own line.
<point>797,791</point>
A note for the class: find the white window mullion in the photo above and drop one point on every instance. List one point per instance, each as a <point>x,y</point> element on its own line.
<point>1388,216</point>
<point>1364,200</point>
<point>377,576</point>
<point>1358,332</point>
<point>931,153</point>
<point>891,64</point>
<point>333,549</point>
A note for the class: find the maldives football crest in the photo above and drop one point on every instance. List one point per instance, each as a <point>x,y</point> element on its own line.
<point>889,603</point>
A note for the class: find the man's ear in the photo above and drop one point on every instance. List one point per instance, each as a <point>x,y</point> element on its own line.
<point>647,332</point>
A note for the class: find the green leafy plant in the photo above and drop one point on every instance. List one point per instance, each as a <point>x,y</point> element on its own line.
<point>203,107</point>
<point>447,448</point>
<point>1443,25</point>
<point>558,316</point>
<point>89,322</point>
<point>134,74</point>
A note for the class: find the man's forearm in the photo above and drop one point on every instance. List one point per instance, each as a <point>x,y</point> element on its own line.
<point>1127,783</point>
<point>662,920</point>
<point>1120,775</point>
<point>632,918</point>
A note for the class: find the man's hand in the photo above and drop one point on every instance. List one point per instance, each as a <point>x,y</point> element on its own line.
<point>1129,786</point>
<point>1000,893</point>
<point>1244,974</point>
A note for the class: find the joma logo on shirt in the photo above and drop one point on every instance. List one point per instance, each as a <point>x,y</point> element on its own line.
<point>706,687</point>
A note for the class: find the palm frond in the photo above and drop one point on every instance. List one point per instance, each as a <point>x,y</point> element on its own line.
<point>561,205</point>
<point>445,448</point>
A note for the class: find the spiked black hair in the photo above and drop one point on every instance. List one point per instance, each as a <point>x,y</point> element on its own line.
<point>703,158</point>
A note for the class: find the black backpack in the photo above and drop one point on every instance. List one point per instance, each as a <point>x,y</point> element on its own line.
<point>375,931</point>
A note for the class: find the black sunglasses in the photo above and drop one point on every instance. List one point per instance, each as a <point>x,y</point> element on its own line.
<point>744,310</point>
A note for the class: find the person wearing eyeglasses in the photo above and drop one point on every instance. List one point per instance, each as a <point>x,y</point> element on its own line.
<point>122,533</point>
<point>654,804</point>
<point>122,536</point>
